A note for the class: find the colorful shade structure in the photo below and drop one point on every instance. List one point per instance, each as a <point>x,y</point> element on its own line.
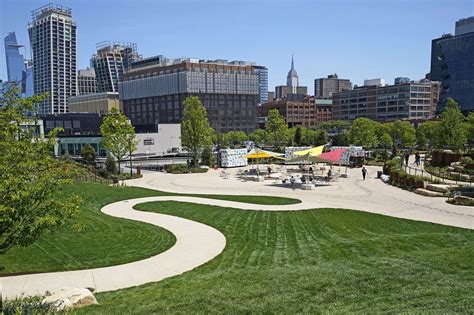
<point>262,154</point>
<point>312,152</point>
<point>330,157</point>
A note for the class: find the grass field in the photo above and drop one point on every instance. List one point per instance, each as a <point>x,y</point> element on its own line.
<point>105,240</point>
<point>324,260</point>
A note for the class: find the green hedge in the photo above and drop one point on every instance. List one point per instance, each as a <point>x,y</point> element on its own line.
<point>183,169</point>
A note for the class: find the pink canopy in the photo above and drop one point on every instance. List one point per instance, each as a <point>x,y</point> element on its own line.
<point>333,156</point>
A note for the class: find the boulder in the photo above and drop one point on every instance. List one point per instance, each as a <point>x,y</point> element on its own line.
<point>459,168</point>
<point>450,168</point>
<point>465,177</point>
<point>428,193</point>
<point>385,178</point>
<point>438,188</point>
<point>70,298</point>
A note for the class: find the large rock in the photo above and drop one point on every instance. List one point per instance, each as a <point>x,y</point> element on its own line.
<point>438,188</point>
<point>70,298</point>
<point>428,193</point>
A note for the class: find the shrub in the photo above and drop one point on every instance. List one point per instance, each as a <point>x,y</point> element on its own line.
<point>27,305</point>
<point>466,160</point>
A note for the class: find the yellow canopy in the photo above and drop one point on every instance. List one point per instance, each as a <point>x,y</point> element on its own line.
<point>259,155</point>
<point>312,152</point>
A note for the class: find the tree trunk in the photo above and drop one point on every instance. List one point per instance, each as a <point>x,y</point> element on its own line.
<point>118,161</point>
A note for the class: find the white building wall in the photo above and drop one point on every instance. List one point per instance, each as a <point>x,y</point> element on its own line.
<point>162,142</point>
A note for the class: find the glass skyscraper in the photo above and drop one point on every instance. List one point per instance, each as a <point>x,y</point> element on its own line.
<point>15,60</point>
<point>452,63</point>
<point>262,73</point>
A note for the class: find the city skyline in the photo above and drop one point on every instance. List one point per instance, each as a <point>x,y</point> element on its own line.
<point>386,41</point>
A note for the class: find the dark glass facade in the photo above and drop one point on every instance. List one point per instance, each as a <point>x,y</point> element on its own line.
<point>452,63</point>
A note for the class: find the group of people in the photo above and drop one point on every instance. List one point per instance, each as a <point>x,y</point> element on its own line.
<point>417,158</point>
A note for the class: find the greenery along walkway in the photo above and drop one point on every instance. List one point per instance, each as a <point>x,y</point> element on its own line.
<point>104,240</point>
<point>324,260</point>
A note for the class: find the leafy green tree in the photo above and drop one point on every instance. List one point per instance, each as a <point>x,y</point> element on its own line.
<point>110,165</point>
<point>403,134</point>
<point>452,130</point>
<point>470,126</point>
<point>276,128</point>
<point>88,154</point>
<point>259,137</point>
<point>427,134</point>
<point>298,137</point>
<point>364,132</point>
<point>235,138</point>
<point>30,177</point>
<point>196,133</point>
<point>207,158</point>
<point>118,135</point>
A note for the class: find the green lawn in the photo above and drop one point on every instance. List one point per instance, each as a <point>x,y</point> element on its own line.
<point>105,240</point>
<point>324,260</point>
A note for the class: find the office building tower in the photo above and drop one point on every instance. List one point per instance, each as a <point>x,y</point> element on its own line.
<point>86,81</point>
<point>15,61</point>
<point>110,62</point>
<point>413,100</point>
<point>452,63</point>
<point>262,73</point>
<point>292,86</point>
<point>53,41</point>
<point>326,87</point>
<point>153,92</point>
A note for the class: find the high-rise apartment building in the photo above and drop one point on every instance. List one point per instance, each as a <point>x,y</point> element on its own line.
<point>413,100</point>
<point>86,82</point>
<point>153,92</point>
<point>53,41</point>
<point>326,87</point>
<point>110,62</point>
<point>452,63</point>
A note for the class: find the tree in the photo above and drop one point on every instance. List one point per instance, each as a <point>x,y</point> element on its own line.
<point>403,134</point>
<point>452,130</point>
<point>259,137</point>
<point>196,133</point>
<point>298,138</point>
<point>470,126</point>
<point>235,138</point>
<point>364,132</point>
<point>118,135</point>
<point>276,128</point>
<point>88,154</point>
<point>427,135</point>
<point>30,177</point>
<point>207,157</point>
<point>110,166</point>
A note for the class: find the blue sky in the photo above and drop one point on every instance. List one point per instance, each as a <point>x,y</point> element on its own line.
<point>357,39</point>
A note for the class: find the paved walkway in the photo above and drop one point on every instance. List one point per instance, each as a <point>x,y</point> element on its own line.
<point>371,195</point>
<point>196,244</point>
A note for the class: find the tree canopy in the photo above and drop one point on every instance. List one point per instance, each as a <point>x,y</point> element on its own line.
<point>196,132</point>
<point>30,176</point>
<point>276,129</point>
<point>364,132</point>
<point>452,131</point>
<point>118,135</point>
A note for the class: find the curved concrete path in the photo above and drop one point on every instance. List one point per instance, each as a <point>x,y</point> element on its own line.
<point>371,195</point>
<point>196,244</point>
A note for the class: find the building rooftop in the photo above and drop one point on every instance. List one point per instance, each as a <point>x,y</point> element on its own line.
<point>51,7</point>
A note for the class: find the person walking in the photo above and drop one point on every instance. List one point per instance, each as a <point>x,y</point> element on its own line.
<point>292,181</point>
<point>407,156</point>
<point>364,172</point>
<point>417,159</point>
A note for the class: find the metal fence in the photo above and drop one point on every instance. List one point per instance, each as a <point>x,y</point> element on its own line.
<point>440,175</point>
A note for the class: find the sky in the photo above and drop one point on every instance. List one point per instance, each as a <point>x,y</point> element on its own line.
<point>357,39</point>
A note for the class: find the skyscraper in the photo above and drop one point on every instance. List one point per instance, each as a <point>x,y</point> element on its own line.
<point>110,62</point>
<point>86,82</point>
<point>53,41</point>
<point>262,73</point>
<point>326,87</point>
<point>15,60</point>
<point>292,78</point>
<point>452,63</point>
